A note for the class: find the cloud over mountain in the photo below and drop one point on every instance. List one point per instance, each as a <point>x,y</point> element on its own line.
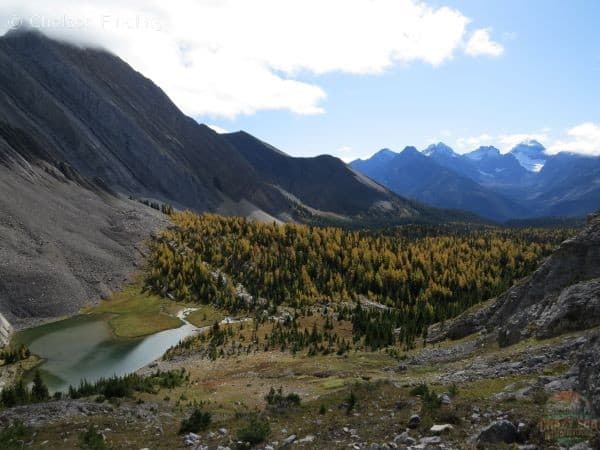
<point>237,57</point>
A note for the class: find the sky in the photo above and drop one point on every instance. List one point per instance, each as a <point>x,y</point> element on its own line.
<point>349,77</point>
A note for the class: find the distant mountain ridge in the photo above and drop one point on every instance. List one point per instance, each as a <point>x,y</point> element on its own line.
<point>523,183</point>
<point>323,182</point>
<point>530,154</point>
<point>432,180</point>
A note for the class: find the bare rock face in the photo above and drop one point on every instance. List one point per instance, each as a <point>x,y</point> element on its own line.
<point>5,331</point>
<point>562,295</point>
<point>501,431</point>
<point>577,307</point>
<point>588,366</point>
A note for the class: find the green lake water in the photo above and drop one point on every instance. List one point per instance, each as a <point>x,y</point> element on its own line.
<point>84,347</point>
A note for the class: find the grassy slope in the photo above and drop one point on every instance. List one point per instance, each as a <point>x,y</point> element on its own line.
<point>138,313</point>
<point>205,315</point>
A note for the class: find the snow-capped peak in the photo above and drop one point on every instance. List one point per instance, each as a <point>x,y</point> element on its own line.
<point>439,149</point>
<point>530,154</point>
<point>483,152</point>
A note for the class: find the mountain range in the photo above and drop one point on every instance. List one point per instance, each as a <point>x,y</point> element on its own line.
<point>88,110</point>
<point>523,183</point>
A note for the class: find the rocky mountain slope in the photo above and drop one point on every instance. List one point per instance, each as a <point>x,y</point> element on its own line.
<point>88,108</point>
<point>64,241</point>
<point>323,183</point>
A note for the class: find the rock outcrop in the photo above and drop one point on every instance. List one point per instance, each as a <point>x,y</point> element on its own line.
<point>588,367</point>
<point>562,295</point>
<point>5,331</point>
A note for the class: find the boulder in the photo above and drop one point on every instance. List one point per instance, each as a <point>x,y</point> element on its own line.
<point>307,439</point>
<point>430,440</point>
<point>414,421</point>
<point>404,439</point>
<point>439,429</point>
<point>445,399</point>
<point>289,440</point>
<point>501,431</point>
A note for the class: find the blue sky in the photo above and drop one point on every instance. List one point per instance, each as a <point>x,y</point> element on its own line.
<point>546,82</point>
<point>348,77</point>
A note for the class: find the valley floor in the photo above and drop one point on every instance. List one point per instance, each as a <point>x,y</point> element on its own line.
<point>484,384</point>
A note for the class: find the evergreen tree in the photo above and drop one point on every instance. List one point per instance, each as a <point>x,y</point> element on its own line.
<point>39,391</point>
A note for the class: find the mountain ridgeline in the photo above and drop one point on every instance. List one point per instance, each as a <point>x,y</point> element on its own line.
<point>91,112</point>
<point>522,184</point>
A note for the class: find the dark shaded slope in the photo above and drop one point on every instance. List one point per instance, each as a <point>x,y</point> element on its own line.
<point>91,109</point>
<point>323,182</point>
<point>568,185</point>
<point>88,108</point>
<point>371,166</point>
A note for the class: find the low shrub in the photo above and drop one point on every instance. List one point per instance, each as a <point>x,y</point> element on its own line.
<point>197,421</point>
<point>92,440</point>
<point>255,432</point>
<point>13,436</point>
<point>276,398</point>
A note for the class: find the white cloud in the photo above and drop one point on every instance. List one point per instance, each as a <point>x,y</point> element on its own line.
<point>504,142</point>
<point>464,144</point>
<point>347,154</point>
<point>480,43</point>
<point>217,128</point>
<point>225,58</point>
<point>583,138</point>
<point>507,141</point>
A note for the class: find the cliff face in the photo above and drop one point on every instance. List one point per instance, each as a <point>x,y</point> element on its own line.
<point>562,295</point>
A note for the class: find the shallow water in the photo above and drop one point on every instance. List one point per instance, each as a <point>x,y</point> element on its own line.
<point>84,347</point>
